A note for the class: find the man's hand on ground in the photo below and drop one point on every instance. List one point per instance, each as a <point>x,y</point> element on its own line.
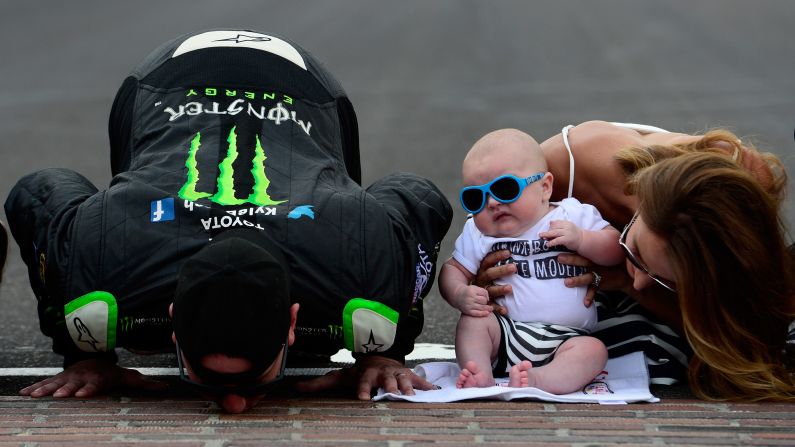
<point>370,373</point>
<point>90,378</point>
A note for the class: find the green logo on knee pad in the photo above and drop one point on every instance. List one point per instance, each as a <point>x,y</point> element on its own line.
<point>368,326</point>
<point>91,321</point>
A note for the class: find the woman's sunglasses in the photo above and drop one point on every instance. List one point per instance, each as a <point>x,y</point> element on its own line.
<point>622,241</point>
<point>505,189</point>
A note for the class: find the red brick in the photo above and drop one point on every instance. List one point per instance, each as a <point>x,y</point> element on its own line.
<point>333,421</point>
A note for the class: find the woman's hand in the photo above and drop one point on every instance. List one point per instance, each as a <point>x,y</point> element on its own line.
<point>611,277</point>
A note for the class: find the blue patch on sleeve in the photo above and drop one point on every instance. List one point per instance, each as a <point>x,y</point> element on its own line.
<point>162,210</point>
<point>302,210</point>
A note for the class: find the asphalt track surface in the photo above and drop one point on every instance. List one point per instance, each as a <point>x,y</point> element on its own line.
<point>426,78</point>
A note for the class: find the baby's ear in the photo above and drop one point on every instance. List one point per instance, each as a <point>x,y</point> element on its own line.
<point>546,185</point>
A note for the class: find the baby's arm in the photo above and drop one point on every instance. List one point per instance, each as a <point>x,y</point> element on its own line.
<point>454,284</point>
<point>600,246</point>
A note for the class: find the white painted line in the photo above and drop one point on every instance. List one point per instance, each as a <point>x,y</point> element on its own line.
<point>422,351</point>
<point>48,372</point>
<point>9,372</point>
<point>22,372</point>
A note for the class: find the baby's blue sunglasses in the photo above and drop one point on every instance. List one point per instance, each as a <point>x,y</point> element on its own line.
<point>505,189</point>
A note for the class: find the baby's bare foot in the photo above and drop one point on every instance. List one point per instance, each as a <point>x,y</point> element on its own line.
<point>519,376</point>
<point>471,376</point>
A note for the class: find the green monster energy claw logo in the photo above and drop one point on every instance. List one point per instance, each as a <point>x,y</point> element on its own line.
<point>225,194</point>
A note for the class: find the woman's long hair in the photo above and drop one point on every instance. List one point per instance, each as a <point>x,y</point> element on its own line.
<point>735,277</point>
<point>765,167</point>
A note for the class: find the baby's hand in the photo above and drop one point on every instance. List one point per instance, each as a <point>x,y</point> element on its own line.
<point>563,232</point>
<point>473,301</point>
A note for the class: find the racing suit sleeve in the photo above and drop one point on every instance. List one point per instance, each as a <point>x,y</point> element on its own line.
<point>41,210</point>
<point>420,217</point>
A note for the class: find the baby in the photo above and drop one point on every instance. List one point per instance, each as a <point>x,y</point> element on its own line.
<point>542,342</point>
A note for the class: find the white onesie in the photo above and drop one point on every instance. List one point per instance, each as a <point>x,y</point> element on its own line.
<point>539,294</point>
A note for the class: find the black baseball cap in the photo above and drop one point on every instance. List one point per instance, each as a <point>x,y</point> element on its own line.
<point>233,298</point>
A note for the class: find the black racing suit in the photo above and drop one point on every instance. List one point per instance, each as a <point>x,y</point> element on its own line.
<point>220,130</point>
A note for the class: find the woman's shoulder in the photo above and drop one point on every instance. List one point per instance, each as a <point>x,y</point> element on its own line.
<point>592,145</point>
<point>589,146</point>
<point>618,135</point>
<point>598,180</point>
<point>602,134</point>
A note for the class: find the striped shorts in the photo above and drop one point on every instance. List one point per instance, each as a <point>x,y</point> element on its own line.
<point>624,326</point>
<point>536,342</point>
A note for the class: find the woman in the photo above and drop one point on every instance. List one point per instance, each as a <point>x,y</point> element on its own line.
<point>706,253</point>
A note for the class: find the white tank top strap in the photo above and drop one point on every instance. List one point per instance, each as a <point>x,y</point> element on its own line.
<point>565,133</point>
<point>641,128</point>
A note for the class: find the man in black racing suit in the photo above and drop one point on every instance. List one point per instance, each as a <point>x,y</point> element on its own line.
<point>244,133</point>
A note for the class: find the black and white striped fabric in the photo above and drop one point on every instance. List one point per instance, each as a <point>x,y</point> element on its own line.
<point>536,342</point>
<point>625,326</point>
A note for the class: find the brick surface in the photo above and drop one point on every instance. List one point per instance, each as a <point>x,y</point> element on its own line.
<point>334,421</point>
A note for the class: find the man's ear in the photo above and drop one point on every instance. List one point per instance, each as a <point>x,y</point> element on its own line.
<point>293,319</point>
<point>171,314</point>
